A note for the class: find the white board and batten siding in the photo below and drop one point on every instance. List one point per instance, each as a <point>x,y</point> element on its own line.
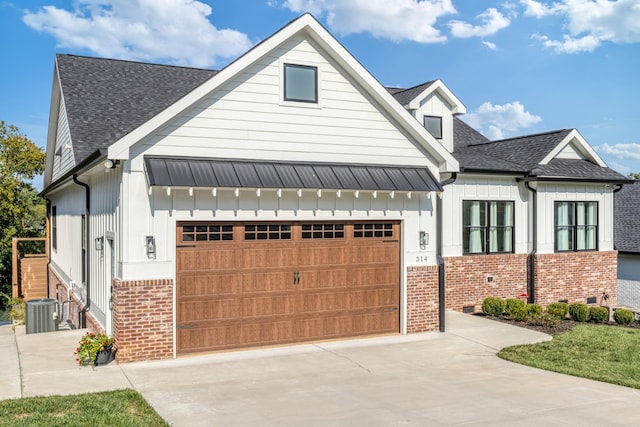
<point>247,118</point>
<point>63,159</point>
<point>484,188</point>
<point>104,223</point>
<point>435,105</point>
<point>549,193</point>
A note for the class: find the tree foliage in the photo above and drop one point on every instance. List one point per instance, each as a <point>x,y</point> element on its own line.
<point>22,212</point>
<point>635,175</point>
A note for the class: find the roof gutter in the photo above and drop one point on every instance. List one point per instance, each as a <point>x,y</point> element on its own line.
<point>571,179</point>
<point>92,160</point>
<point>82,319</point>
<point>534,243</point>
<point>440,259</point>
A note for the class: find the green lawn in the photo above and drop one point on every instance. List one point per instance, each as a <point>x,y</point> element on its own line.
<point>599,352</point>
<point>111,408</point>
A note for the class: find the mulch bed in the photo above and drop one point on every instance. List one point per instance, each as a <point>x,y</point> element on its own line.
<point>563,326</point>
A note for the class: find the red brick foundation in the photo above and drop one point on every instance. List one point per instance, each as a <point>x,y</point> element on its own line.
<point>467,282</point>
<point>575,276</point>
<point>143,319</point>
<point>422,299</point>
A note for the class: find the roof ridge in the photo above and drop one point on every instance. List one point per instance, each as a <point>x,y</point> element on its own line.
<point>412,87</point>
<point>531,135</point>
<point>135,62</point>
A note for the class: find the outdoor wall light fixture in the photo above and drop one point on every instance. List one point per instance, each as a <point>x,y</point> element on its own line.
<point>424,239</point>
<point>99,243</point>
<point>110,164</point>
<point>151,247</point>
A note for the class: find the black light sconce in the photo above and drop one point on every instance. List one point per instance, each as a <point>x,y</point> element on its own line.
<point>99,242</point>
<point>151,247</point>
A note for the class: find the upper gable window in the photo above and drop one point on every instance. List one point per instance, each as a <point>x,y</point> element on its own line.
<point>434,125</point>
<point>300,83</point>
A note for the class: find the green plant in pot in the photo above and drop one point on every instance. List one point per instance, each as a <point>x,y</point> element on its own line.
<point>95,349</point>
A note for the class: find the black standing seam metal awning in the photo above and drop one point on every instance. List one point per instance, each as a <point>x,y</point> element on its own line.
<point>225,173</point>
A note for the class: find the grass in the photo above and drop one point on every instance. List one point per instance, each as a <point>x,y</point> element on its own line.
<point>111,408</point>
<point>598,352</point>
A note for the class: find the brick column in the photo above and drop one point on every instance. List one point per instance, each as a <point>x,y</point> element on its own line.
<point>422,298</point>
<point>143,319</point>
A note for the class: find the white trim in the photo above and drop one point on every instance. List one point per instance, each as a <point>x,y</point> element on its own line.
<point>438,86</point>
<point>580,144</point>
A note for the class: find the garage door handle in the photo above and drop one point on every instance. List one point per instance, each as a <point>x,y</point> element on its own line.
<point>296,277</point>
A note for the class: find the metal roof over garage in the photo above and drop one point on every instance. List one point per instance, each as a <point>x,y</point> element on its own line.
<point>225,173</point>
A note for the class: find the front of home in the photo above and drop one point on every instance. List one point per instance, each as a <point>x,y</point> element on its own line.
<point>289,197</point>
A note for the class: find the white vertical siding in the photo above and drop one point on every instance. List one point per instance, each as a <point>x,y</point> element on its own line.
<point>66,258</point>
<point>468,187</point>
<point>435,106</point>
<point>63,159</point>
<point>549,193</point>
<point>246,118</point>
<point>105,208</point>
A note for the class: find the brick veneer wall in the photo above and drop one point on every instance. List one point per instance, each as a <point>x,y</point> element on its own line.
<point>467,284</point>
<point>59,291</point>
<point>422,299</point>
<point>575,276</point>
<point>143,319</point>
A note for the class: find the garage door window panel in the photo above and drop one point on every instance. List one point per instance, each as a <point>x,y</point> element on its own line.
<point>204,232</point>
<point>322,231</point>
<point>373,230</point>
<point>267,232</point>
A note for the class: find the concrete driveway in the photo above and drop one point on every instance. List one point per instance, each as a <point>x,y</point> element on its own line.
<point>424,379</point>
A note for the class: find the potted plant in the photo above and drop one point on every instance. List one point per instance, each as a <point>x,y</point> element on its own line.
<point>95,349</point>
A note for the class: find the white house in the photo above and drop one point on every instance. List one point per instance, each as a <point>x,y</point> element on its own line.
<point>290,197</point>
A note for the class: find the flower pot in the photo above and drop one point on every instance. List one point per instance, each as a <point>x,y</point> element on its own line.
<point>104,357</point>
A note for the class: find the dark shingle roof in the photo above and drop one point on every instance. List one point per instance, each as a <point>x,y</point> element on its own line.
<point>105,99</point>
<point>404,96</point>
<point>627,218</point>
<point>464,135</point>
<point>577,169</point>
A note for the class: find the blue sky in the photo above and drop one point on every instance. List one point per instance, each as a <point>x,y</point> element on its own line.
<point>519,66</point>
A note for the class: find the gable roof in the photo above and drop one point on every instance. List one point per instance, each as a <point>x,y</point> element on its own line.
<point>105,99</point>
<point>534,155</point>
<point>312,29</point>
<point>627,218</point>
<point>404,96</point>
<point>412,97</point>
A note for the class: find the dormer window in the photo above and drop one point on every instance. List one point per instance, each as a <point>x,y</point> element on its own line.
<point>434,125</point>
<point>300,83</point>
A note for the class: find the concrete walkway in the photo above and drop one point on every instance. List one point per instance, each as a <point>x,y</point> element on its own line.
<point>422,379</point>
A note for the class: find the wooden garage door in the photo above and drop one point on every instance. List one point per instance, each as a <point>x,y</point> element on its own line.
<point>255,284</point>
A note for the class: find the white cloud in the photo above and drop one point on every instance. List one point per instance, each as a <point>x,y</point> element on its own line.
<point>496,120</point>
<point>590,23</point>
<point>177,31</point>
<point>492,22</point>
<point>621,151</point>
<point>540,10</point>
<point>399,20</point>
<point>490,45</point>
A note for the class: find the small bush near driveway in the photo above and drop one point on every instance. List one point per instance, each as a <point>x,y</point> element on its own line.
<point>598,314</point>
<point>493,306</point>
<point>599,352</point>
<point>579,311</point>
<point>623,316</point>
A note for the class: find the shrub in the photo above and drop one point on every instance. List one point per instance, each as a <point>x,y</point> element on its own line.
<point>558,309</point>
<point>519,313</point>
<point>579,311</point>
<point>598,314</point>
<point>514,306</point>
<point>623,316</point>
<point>493,306</point>
<point>534,309</point>
<point>544,319</point>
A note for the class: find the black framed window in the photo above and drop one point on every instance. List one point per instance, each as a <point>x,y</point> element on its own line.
<point>487,227</point>
<point>576,226</point>
<point>300,83</point>
<point>434,125</point>
<point>54,227</point>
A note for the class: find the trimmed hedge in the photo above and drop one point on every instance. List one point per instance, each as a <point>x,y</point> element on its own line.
<point>598,314</point>
<point>534,309</point>
<point>623,316</point>
<point>515,308</point>
<point>493,306</point>
<point>558,309</point>
<point>579,311</point>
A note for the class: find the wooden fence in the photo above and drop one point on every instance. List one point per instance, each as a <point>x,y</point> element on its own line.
<point>29,271</point>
